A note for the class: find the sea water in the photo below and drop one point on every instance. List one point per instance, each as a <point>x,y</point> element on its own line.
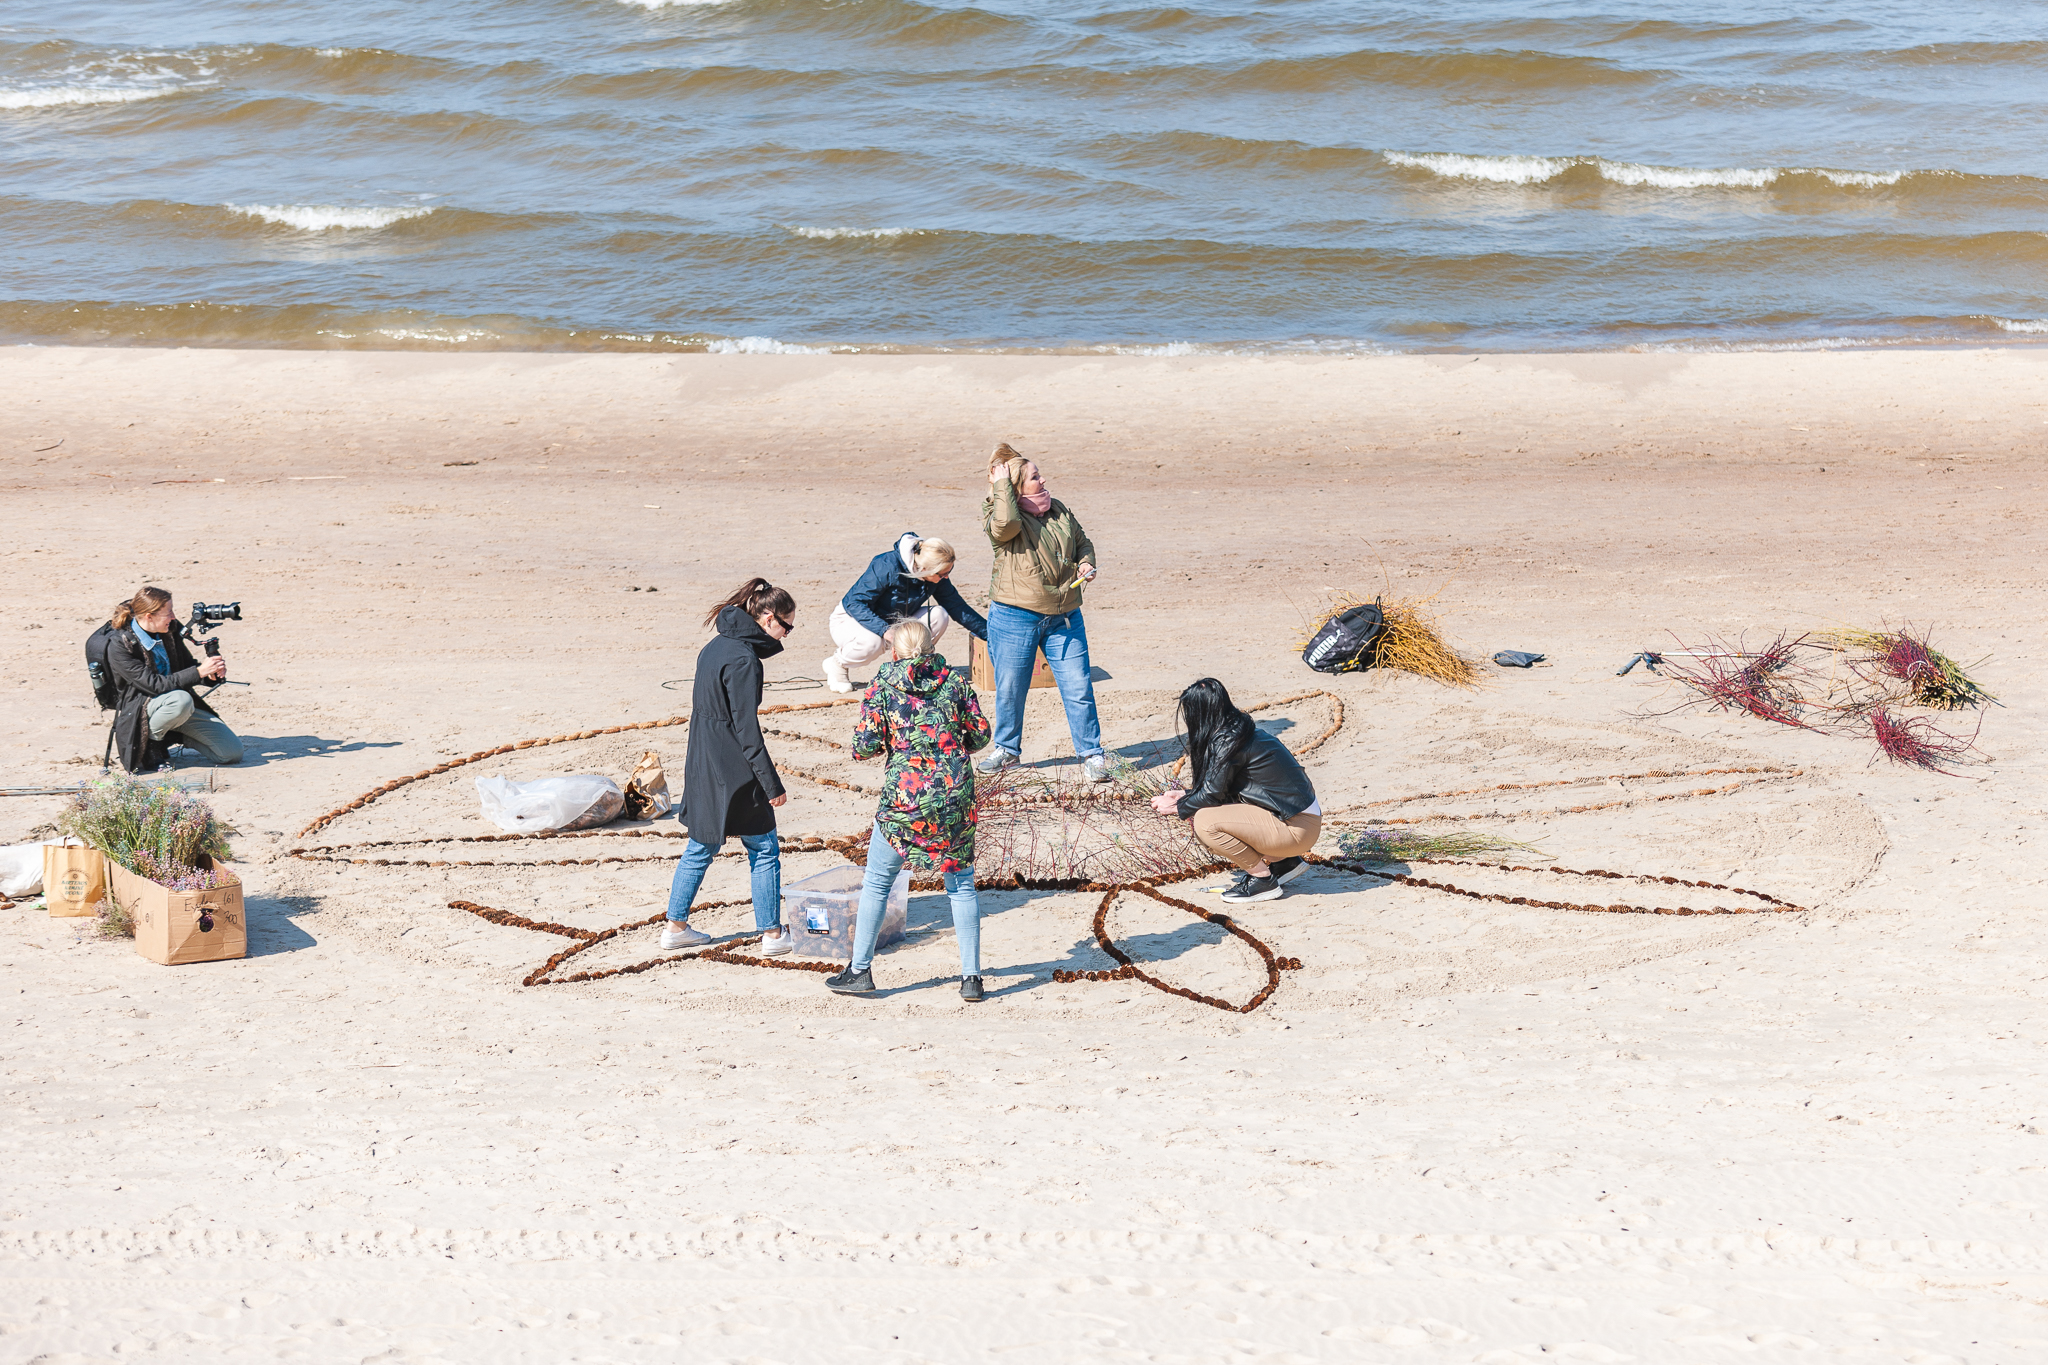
<point>877,175</point>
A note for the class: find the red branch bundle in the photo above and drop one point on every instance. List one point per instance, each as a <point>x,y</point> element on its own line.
<point>1916,741</point>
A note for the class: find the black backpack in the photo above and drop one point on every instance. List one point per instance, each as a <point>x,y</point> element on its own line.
<point>1347,640</point>
<point>103,690</point>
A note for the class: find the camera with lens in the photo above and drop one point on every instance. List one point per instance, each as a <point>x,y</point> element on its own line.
<point>210,614</point>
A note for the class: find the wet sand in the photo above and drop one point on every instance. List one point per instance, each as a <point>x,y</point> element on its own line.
<point>1463,1131</point>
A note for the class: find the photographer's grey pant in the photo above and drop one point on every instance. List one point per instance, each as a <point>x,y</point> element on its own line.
<point>174,712</point>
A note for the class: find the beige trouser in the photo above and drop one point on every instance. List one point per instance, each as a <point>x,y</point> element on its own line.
<point>1249,835</point>
<point>855,646</point>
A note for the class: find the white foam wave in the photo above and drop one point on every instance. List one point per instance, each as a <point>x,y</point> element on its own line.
<point>1171,348</point>
<point>57,96</point>
<point>2023,324</point>
<point>1504,170</point>
<point>1318,346</point>
<point>323,217</point>
<point>832,234</point>
<point>760,346</point>
<point>1535,170</point>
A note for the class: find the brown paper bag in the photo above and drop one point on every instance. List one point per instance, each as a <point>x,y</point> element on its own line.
<point>174,927</point>
<point>74,880</point>
<point>983,668</point>
<point>647,789</point>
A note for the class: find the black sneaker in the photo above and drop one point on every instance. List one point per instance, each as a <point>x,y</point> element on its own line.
<point>1254,889</point>
<point>970,988</point>
<point>1286,870</point>
<point>851,982</point>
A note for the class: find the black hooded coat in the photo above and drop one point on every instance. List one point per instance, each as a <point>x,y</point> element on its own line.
<point>138,682</point>
<point>728,779</point>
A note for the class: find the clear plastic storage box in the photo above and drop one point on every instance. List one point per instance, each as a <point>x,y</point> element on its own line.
<point>820,911</point>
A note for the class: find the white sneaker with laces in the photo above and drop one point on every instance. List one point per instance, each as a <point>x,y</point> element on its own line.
<point>776,945</point>
<point>836,677</point>
<point>1095,767</point>
<point>678,936</point>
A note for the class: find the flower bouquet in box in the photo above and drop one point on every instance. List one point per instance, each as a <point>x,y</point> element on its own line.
<point>163,849</point>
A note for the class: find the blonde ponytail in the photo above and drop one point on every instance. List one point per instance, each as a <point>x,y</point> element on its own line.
<point>931,556</point>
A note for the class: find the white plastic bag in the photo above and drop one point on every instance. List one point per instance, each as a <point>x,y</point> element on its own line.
<point>21,868</point>
<point>549,803</point>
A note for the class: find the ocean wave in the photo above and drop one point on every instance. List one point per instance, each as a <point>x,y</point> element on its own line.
<point>2022,324</point>
<point>58,96</point>
<point>834,234</point>
<point>1538,170</point>
<point>326,217</point>
<point>760,346</point>
<point>673,4</point>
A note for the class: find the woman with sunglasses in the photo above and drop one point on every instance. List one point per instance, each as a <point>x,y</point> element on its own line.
<point>729,783</point>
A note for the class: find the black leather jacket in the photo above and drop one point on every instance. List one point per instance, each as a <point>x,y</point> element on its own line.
<point>1264,774</point>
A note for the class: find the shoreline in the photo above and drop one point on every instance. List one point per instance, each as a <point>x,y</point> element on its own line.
<point>2018,333</point>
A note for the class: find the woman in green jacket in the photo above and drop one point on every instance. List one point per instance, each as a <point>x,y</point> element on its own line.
<point>1042,557</point>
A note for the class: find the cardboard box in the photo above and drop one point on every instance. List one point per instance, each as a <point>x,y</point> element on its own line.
<point>174,927</point>
<point>983,669</point>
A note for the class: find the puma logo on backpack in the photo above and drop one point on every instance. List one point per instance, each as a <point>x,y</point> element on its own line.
<point>1347,640</point>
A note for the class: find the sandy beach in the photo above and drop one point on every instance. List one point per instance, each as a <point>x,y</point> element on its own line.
<point>1462,1131</point>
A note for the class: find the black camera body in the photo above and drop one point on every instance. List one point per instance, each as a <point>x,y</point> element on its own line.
<point>205,614</point>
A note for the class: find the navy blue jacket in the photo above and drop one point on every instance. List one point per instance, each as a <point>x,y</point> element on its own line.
<point>886,594</point>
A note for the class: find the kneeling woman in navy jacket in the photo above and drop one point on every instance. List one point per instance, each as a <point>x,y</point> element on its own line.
<point>896,587</point>
<point>1250,801</point>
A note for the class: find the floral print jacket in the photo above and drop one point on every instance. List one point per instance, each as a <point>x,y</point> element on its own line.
<point>926,718</point>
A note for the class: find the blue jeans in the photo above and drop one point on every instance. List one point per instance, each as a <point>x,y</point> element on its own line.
<point>884,863</point>
<point>1014,638</point>
<point>764,856</point>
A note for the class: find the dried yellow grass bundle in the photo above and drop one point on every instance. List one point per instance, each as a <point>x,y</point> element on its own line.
<point>1411,642</point>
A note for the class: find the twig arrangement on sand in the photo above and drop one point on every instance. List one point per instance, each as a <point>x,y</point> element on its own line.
<point>1844,682</point>
<point>1412,640</point>
<point>1131,839</point>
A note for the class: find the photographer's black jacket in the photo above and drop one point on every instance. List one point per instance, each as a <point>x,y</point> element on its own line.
<point>136,676</point>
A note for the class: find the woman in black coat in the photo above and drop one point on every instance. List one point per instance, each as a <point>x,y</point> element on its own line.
<point>729,783</point>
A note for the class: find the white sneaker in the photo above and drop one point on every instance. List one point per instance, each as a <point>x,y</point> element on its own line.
<point>835,675</point>
<point>1096,767</point>
<point>679,936</point>
<point>776,945</point>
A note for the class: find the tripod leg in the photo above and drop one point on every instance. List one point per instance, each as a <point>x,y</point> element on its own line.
<point>107,758</point>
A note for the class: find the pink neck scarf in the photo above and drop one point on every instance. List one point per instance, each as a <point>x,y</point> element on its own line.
<point>1039,503</point>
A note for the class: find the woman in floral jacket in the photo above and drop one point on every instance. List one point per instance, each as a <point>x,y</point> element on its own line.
<point>924,716</point>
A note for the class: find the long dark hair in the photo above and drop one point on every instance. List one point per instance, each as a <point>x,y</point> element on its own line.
<point>1216,729</point>
<point>753,597</point>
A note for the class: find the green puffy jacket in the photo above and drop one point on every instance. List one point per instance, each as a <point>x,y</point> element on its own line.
<point>1037,558</point>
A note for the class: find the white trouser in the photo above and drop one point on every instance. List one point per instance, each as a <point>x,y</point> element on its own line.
<point>857,645</point>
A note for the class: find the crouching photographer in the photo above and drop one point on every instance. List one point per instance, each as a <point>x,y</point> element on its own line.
<point>155,681</point>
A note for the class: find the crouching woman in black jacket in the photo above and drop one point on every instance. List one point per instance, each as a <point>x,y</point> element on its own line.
<point>156,677</point>
<point>1250,801</point>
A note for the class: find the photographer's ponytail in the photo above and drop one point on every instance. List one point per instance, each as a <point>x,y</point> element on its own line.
<point>755,596</point>
<point>145,601</point>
